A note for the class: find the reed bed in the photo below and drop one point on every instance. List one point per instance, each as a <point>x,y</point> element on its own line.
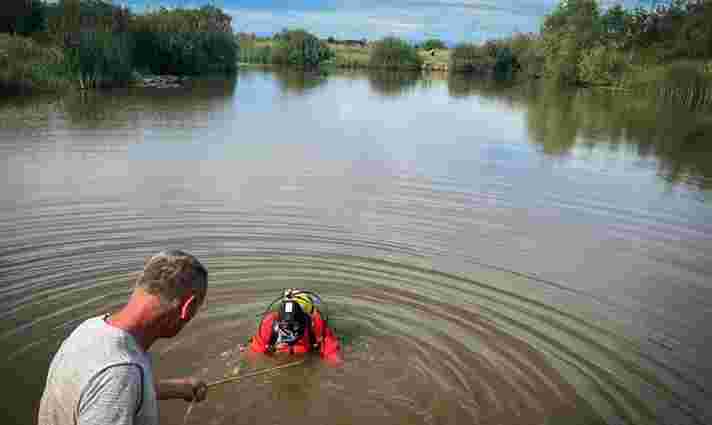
<point>94,43</point>
<point>685,83</point>
<point>27,65</point>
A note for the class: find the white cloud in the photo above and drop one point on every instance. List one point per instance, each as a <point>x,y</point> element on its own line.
<point>452,20</point>
<point>392,24</point>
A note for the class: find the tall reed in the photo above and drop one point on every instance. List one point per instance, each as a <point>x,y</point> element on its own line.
<point>185,53</point>
<point>102,59</point>
<point>184,42</point>
<point>685,82</point>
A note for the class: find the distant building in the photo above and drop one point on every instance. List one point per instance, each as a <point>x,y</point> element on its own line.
<point>356,43</point>
<point>247,36</point>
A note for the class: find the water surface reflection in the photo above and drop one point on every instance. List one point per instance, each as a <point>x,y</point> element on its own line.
<point>491,253</point>
<point>392,83</point>
<point>582,123</point>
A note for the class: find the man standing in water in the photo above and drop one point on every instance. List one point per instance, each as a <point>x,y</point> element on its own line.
<point>102,372</point>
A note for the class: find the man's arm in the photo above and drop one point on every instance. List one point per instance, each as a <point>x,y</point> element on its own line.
<point>113,397</point>
<point>189,389</point>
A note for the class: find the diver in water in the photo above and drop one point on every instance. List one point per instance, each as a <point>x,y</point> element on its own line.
<point>298,327</point>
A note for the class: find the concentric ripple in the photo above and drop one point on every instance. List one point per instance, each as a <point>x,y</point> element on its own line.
<point>473,281</point>
<point>438,347</point>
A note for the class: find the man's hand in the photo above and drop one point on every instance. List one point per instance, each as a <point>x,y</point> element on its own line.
<point>198,389</point>
<point>189,389</point>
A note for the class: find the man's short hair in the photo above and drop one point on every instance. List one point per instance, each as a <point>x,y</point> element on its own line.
<point>172,274</point>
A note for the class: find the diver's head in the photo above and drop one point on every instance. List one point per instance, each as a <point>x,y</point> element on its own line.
<point>291,321</point>
<point>305,299</point>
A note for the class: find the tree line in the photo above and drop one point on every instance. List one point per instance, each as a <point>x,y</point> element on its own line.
<point>93,43</point>
<point>582,44</point>
<point>668,47</point>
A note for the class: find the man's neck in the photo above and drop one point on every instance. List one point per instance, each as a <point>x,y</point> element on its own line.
<point>132,321</point>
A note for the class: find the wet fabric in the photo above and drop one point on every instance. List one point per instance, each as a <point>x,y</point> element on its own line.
<point>327,345</point>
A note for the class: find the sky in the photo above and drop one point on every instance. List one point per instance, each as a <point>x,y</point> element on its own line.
<point>415,20</point>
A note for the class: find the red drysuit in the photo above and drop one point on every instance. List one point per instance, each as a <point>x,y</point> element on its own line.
<point>322,339</point>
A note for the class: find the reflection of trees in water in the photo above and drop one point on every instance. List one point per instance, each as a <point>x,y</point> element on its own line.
<point>462,85</point>
<point>129,106</point>
<point>551,119</point>
<point>392,83</point>
<point>559,120</point>
<point>27,112</point>
<point>672,134</point>
<point>298,81</point>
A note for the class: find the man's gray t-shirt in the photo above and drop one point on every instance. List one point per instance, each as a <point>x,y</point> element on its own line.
<point>99,376</point>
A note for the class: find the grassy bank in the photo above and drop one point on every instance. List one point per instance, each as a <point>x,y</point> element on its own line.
<point>93,43</point>
<point>27,65</point>
<point>295,48</point>
<point>666,51</point>
<point>353,56</point>
<point>686,82</point>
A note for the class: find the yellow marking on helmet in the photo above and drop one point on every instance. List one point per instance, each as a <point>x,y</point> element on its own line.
<point>305,301</point>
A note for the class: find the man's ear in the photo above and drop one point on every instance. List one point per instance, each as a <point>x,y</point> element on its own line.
<point>186,307</point>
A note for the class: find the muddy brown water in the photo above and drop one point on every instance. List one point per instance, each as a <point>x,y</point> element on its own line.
<point>487,254</point>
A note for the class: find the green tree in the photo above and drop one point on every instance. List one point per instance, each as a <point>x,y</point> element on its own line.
<point>529,54</point>
<point>505,63</point>
<point>571,29</point>
<point>467,57</point>
<point>394,53</point>
<point>184,41</point>
<point>23,17</point>
<point>433,43</point>
<point>694,38</point>
<point>602,65</point>
<point>300,48</point>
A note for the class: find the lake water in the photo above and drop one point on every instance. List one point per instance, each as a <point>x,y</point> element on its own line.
<point>487,254</point>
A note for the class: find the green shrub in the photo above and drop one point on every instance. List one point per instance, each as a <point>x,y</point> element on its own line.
<point>300,48</point>
<point>433,43</point>
<point>602,65</point>
<point>529,54</point>
<point>498,59</point>
<point>103,59</point>
<point>26,65</point>
<point>23,17</point>
<point>250,52</point>
<point>103,44</point>
<point>198,20</point>
<point>505,63</point>
<point>467,57</point>
<point>185,53</point>
<point>572,28</point>
<point>563,54</point>
<point>184,41</point>
<point>67,18</point>
<point>694,39</point>
<point>394,53</point>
